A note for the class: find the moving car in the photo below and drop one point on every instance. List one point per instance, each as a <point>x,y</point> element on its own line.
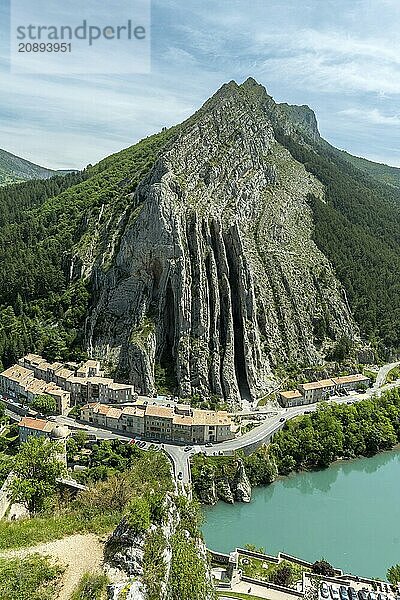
<point>209,444</point>
<point>188,448</point>
<point>282,419</point>
<point>180,475</point>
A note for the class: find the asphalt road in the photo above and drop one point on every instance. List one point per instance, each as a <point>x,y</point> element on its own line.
<point>383,371</point>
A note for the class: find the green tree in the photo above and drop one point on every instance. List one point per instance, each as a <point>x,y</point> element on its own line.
<point>45,404</point>
<point>322,567</point>
<point>341,350</point>
<point>36,467</point>
<point>139,515</point>
<point>283,575</point>
<point>393,574</point>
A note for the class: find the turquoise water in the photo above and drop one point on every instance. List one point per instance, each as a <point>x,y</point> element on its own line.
<point>348,514</point>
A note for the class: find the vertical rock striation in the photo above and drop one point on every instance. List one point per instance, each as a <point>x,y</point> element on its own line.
<point>216,276</point>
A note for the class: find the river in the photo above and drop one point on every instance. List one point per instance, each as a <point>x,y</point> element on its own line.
<point>349,514</point>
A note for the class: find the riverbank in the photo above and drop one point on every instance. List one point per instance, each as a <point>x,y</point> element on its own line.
<point>306,443</point>
<point>347,514</point>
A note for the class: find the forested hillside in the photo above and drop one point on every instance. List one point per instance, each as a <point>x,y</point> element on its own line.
<point>380,171</point>
<point>358,228</point>
<point>43,304</point>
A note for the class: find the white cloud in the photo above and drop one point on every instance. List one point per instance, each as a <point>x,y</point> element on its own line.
<point>373,116</point>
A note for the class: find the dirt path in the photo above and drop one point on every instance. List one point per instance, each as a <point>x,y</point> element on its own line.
<point>77,553</point>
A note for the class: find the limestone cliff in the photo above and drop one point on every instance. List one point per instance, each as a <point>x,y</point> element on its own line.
<point>216,276</point>
<point>229,485</point>
<point>168,561</point>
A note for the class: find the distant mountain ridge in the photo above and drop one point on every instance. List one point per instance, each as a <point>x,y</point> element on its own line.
<point>14,169</point>
<point>385,173</point>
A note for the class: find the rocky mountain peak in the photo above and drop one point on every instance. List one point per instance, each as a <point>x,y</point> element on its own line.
<point>216,279</point>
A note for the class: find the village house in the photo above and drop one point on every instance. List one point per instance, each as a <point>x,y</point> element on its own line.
<point>132,420</point>
<point>317,390</point>
<point>180,423</point>
<point>29,427</point>
<point>308,393</point>
<point>14,380</point>
<point>291,398</point>
<point>41,428</point>
<point>21,384</point>
<point>85,382</point>
<point>351,382</point>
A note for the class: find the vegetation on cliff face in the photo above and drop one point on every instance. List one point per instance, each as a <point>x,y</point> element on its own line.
<point>357,227</point>
<point>51,231</point>
<point>60,240</point>
<point>216,477</point>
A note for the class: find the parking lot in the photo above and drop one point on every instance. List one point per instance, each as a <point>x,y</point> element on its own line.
<point>357,590</point>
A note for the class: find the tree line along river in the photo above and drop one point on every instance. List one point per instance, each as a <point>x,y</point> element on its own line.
<point>348,513</point>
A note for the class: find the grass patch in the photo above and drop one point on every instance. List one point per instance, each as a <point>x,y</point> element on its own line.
<point>261,569</point>
<point>29,532</point>
<point>30,578</point>
<point>91,587</point>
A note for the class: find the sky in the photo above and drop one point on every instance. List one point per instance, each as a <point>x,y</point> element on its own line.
<point>341,57</point>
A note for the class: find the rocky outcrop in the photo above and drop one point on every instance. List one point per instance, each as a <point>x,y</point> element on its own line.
<point>143,561</point>
<point>216,276</point>
<point>224,491</point>
<point>124,549</point>
<point>207,491</point>
<point>231,485</point>
<point>241,484</point>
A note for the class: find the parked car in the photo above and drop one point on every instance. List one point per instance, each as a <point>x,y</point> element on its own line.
<point>307,412</point>
<point>324,590</point>
<point>362,595</point>
<point>209,444</point>
<point>352,593</point>
<point>372,596</point>
<point>343,592</point>
<point>334,593</point>
<point>382,596</point>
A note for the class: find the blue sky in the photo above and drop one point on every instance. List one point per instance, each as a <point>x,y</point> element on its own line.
<point>341,57</point>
